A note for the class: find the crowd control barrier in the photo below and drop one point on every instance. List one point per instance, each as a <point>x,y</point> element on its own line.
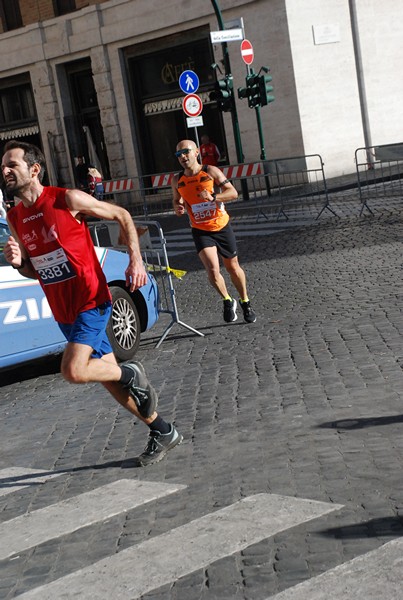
<point>298,181</point>
<point>139,196</point>
<point>153,250</point>
<point>379,173</point>
<point>278,183</point>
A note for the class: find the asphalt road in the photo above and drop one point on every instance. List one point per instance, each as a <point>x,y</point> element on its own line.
<point>289,481</point>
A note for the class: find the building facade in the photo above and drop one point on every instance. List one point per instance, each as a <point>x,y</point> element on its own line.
<point>100,80</point>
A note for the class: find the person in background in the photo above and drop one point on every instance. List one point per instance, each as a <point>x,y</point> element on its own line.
<point>193,192</point>
<point>64,261</point>
<point>81,170</point>
<point>3,211</point>
<point>94,181</point>
<point>209,153</point>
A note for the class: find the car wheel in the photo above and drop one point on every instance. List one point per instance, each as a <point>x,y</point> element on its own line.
<point>124,325</point>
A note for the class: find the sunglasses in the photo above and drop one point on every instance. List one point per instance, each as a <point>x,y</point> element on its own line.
<point>183,151</point>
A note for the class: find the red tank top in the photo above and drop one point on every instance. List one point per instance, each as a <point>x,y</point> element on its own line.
<point>203,214</point>
<point>62,254</point>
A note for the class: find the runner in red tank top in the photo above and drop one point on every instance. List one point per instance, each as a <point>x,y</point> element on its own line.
<point>193,191</point>
<point>209,153</point>
<point>50,242</point>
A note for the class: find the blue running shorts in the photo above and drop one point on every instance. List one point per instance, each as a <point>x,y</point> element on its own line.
<point>90,329</point>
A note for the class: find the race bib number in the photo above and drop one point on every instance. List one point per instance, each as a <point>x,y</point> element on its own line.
<point>53,267</point>
<point>204,211</point>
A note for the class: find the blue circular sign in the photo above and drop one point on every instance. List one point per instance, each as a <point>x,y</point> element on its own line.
<point>188,82</point>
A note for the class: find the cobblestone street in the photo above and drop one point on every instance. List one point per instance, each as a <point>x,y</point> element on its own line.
<point>304,404</point>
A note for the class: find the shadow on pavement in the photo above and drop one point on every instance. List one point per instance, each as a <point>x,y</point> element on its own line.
<point>49,365</point>
<point>377,527</point>
<point>28,479</point>
<point>362,422</point>
<point>340,234</point>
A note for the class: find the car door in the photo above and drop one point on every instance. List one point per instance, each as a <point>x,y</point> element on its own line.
<point>27,327</point>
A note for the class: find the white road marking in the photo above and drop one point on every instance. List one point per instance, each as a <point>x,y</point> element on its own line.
<point>66,516</point>
<point>165,558</point>
<point>18,478</point>
<point>376,575</point>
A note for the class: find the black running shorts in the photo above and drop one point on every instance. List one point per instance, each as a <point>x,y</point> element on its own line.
<point>224,240</point>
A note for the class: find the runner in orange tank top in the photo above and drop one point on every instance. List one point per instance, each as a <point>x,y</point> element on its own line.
<point>202,192</point>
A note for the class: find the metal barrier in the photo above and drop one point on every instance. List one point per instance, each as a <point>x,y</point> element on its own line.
<point>278,183</point>
<point>153,249</point>
<point>139,196</point>
<point>299,180</point>
<point>379,173</point>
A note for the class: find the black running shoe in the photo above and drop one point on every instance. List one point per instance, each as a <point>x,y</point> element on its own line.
<point>230,311</point>
<point>141,391</point>
<point>248,312</point>
<point>158,445</point>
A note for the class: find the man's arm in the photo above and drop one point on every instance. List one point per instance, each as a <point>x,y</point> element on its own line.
<point>177,201</point>
<point>227,191</point>
<point>81,203</point>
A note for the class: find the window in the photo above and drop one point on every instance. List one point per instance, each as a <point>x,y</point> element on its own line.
<point>63,7</point>
<point>10,14</point>
<point>16,105</point>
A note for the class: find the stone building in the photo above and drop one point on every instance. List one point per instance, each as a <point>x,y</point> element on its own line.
<point>99,79</point>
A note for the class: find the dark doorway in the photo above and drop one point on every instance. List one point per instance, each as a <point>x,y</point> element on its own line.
<point>156,97</point>
<point>83,124</point>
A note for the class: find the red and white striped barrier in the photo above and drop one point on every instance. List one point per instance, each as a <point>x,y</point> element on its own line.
<point>118,185</point>
<point>163,180</point>
<point>238,171</point>
<point>234,172</point>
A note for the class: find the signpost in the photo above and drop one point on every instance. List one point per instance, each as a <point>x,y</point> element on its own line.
<point>228,75</point>
<point>192,104</point>
<point>253,92</point>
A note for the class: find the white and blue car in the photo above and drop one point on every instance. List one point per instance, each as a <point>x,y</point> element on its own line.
<point>28,330</point>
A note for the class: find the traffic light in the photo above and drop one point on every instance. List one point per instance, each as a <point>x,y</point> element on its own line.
<point>223,94</point>
<point>252,81</point>
<point>251,92</point>
<point>265,90</point>
<point>258,89</point>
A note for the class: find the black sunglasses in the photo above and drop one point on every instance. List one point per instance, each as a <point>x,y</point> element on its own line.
<point>183,151</point>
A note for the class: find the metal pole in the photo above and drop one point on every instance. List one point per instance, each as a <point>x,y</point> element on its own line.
<point>361,82</point>
<point>262,148</point>
<point>234,114</point>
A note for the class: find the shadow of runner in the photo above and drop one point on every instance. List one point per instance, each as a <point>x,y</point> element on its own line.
<point>377,527</point>
<point>361,423</point>
<point>28,479</point>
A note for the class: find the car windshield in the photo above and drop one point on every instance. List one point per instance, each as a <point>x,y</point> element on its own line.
<point>4,233</point>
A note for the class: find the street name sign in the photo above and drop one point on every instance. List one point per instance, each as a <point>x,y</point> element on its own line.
<point>226,35</point>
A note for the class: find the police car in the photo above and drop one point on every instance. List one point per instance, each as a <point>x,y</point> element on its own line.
<point>28,330</point>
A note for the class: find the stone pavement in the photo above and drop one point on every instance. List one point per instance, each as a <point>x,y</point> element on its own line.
<point>303,406</point>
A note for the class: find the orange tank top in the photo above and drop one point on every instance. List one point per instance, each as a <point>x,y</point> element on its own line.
<point>203,214</point>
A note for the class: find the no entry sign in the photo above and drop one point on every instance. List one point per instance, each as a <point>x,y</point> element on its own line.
<point>247,52</point>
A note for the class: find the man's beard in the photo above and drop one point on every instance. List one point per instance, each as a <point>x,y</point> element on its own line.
<point>15,188</point>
